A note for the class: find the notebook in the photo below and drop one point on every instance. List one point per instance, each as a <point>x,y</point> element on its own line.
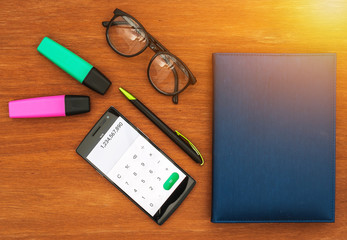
<point>274,137</point>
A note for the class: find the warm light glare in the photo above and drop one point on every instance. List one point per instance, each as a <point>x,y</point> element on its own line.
<point>333,11</point>
<point>325,21</point>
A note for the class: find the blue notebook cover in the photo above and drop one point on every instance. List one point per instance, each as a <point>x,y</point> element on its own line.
<point>274,137</point>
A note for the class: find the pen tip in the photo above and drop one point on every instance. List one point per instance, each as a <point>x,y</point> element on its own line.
<point>127,94</point>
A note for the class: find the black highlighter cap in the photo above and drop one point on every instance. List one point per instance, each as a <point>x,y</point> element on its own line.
<point>75,104</point>
<point>97,81</point>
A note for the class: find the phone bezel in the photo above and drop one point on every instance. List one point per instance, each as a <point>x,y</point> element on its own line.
<point>93,137</point>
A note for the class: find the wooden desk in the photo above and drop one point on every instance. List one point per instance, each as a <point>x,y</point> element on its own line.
<point>48,192</point>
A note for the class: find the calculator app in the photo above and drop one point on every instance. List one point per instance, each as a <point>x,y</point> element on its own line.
<point>136,166</point>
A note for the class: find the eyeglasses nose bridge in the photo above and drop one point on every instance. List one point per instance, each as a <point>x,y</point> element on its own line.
<point>154,47</point>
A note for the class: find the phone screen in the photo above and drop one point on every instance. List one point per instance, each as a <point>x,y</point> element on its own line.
<point>136,166</point>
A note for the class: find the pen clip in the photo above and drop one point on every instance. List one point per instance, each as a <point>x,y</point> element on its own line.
<point>191,145</point>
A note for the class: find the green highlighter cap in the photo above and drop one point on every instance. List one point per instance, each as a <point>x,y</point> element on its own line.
<point>78,68</point>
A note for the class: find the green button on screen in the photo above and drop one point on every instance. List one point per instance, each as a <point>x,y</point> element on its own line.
<point>171,181</point>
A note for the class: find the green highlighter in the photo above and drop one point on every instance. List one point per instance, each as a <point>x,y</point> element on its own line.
<point>78,68</point>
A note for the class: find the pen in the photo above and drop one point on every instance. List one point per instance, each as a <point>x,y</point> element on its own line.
<point>175,136</point>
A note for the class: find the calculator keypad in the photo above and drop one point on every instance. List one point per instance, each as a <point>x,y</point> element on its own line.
<point>146,175</point>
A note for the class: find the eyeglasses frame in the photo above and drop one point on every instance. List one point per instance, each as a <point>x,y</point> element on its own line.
<point>158,49</point>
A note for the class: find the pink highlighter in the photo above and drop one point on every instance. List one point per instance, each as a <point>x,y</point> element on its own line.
<point>50,106</point>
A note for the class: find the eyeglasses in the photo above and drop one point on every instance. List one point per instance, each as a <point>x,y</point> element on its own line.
<point>166,72</point>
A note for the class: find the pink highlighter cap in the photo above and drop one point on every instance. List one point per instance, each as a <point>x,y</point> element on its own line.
<point>50,106</point>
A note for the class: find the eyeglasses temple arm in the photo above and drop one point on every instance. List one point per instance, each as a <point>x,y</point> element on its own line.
<point>105,23</point>
<point>175,97</point>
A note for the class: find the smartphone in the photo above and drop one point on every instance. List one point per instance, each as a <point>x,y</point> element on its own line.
<point>129,160</point>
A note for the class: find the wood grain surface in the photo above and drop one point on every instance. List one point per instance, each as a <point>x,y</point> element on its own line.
<point>48,192</point>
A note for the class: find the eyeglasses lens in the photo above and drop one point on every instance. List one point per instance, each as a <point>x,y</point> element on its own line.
<point>127,36</point>
<point>168,74</point>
